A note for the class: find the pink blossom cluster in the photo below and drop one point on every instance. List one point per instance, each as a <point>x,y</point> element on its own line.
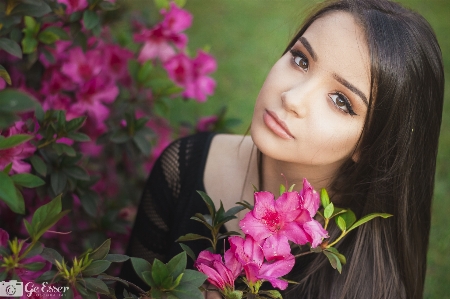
<point>17,154</point>
<point>164,40</point>
<point>264,254</point>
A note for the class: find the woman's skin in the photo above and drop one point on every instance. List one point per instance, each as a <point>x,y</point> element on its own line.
<point>308,94</point>
<point>307,120</point>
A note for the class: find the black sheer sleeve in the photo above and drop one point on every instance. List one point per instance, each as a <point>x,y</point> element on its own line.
<point>169,199</point>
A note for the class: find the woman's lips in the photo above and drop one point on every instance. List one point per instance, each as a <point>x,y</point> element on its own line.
<point>276,125</point>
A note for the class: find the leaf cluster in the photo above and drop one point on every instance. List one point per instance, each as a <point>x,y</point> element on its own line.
<point>214,221</point>
<point>171,280</point>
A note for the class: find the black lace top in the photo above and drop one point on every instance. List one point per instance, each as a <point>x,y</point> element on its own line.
<point>168,202</point>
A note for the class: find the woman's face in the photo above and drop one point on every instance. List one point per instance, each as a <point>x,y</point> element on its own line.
<point>312,106</point>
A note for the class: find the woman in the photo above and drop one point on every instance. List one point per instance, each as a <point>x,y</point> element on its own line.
<point>354,105</point>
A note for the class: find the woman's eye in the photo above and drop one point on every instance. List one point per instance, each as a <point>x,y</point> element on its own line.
<point>300,59</point>
<point>341,102</point>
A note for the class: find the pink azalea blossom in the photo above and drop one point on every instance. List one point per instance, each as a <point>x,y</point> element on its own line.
<point>176,19</point>
<point>17,154</point>
<point>159,41</point>
<point>282,220</point>
<point>206,123</point>
<point>220,274</point>
<point>249,253</point>
<point>74,5</point>
<point>81,67</point>
<point>116,61</point>
<point>192,74</point>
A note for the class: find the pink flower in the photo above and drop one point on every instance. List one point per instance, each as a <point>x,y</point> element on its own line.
<point>220,274</point>
<point>158,41</point>
<point>191,74</point>
<point>116,61</point>
<point>4,237</point>
<point>74,5</point>
<point>206,123</point>
<point>176,19</point>
<point>81,67</point>
<point>249,253</point>
<point>17,154</point>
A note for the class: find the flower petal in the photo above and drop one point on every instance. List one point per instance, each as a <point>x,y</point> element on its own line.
<point>264,202</point>
<point>276,247</point>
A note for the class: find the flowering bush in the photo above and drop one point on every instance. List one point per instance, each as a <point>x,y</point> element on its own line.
<point>86,116</point>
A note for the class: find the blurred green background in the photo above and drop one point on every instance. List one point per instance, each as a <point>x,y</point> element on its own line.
<point>248,36</point>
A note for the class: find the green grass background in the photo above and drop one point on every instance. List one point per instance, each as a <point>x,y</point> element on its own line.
<point>248,36</point>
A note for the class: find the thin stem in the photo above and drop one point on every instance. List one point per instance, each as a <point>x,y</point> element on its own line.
<point>141,291</point>
<point>303,253</point>
<point>338,239</point>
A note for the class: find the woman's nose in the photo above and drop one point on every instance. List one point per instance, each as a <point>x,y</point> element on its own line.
<point>298,98</point>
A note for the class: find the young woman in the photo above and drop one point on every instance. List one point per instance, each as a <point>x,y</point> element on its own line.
<point>354,105</point>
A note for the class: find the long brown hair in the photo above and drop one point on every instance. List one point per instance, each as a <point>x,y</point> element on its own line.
<point>396,162</point>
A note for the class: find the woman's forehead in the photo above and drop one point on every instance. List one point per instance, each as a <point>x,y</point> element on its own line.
<point>340,47</point>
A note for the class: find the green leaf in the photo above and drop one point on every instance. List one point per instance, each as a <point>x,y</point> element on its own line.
<point>29,44</point>
<point>368,218</point>
<point>189,251</point>
<point>28,227</point>
<point>324,198</point>
<point>77,172</point>
<point>58,181</point>
<point>191,237</point>
<point>90,19</point>
<point>7,168</point>
<point>46,216</point>
<point>12,100</point>
<point>145,72</point>
<point>328,210</point>
<point>9,195</point>
<point>108,6</point>
<point>271,294</point>
<point>51,255</point>
<point>52,34</point>
<point>340,256</point>
<point>14,140</point>
<point>101,251</point>
<point>209,203</point>
<point>160,272</point>
<point>334,261</point>
<point>3,275</point>
<point>96,285</point>
<point>177,264</point>
<point>338,211</point>
<point>77,136</point>
<point>140,266</point>
<point>142,141</point>
<point>282,189</point>
<point>34,266</point>
<point>37,9</point>
<point>27,180</point>
<point>5,75</point>
<point>75,124</point>
<point>89,202</point>
<point>46,276</point>
<point>39,165</point>
<point>36,250</point>
<point>233,211</point>
<point>119,136</point>
<point>341,223</point>
<point>10,46</point>
<point>116,258</point>
<point>95,268</point>
<point>193,278</point>
<point>291,188</point>
<point>349,218</point>
<point>148,279</point>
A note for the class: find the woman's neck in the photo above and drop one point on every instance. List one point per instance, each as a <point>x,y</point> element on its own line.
<point>274,172</point>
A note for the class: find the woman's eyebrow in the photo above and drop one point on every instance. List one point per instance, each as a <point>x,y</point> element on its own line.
<point>352,88</point>
<point>338,78</point>
<point>308,47</point>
